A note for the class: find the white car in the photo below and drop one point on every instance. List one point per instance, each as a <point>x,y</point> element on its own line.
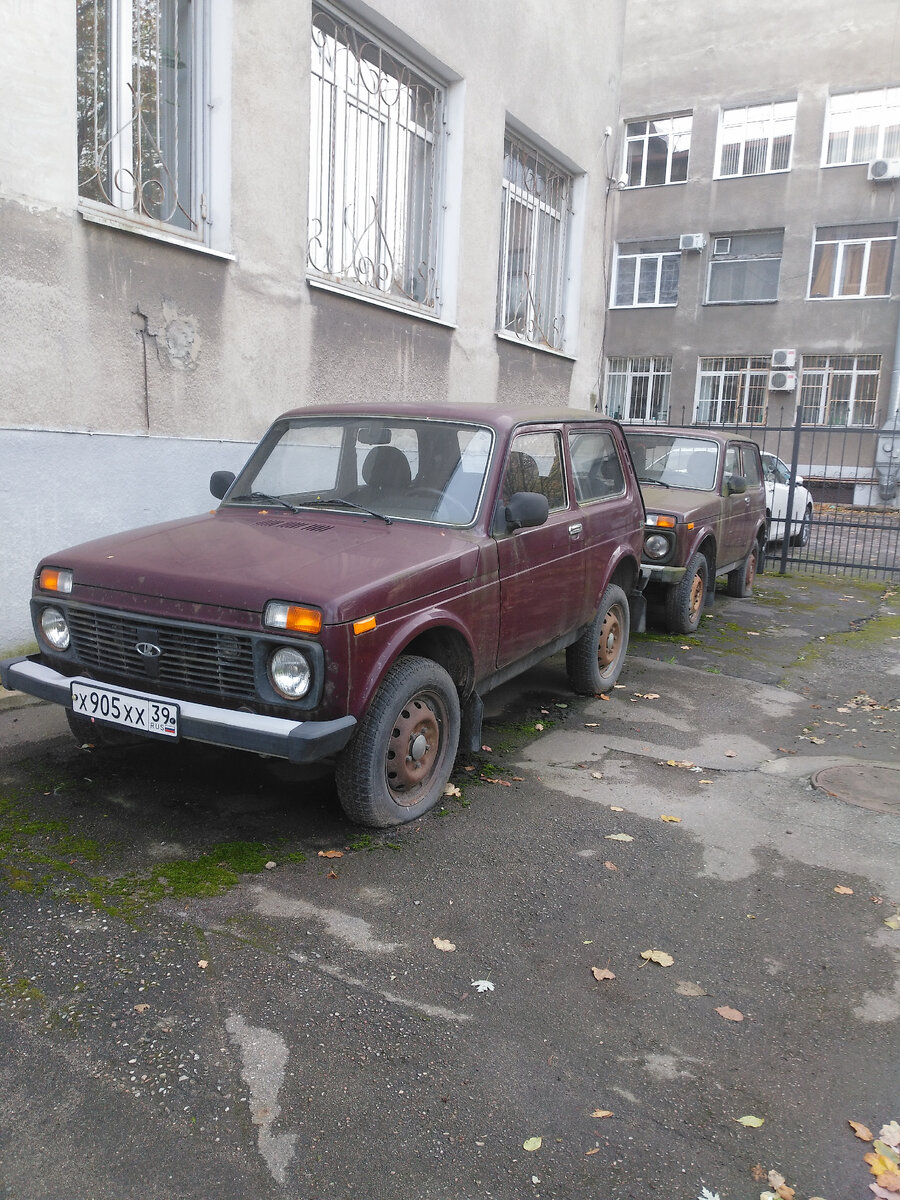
<point>777,476</point>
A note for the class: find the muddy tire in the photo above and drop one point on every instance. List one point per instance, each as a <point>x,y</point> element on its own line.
<point>685,600</point>
<point>740,580</point>
<point>595,661</point>
<point>801,538</point>
<point>397,764</point>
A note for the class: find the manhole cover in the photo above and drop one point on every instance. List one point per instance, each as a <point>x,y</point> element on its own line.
<point>877,788</point>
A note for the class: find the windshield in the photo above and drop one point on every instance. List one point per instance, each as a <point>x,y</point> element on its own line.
<point>390,467</point>
<point>672,460</point>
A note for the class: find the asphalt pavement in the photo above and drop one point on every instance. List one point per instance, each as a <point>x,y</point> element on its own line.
<point>211,985</point>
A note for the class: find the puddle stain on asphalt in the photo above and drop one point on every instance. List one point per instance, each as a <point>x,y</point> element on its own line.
<point>264,1056</point>
<point>353,931</point>
<point>429,1010</point>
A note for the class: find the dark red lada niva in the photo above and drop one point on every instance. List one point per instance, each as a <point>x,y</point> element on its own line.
<point>369,575</point>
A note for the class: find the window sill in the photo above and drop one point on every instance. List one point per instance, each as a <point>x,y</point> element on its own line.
<point>643,187</point>
<point>377,301</point>
<point>754,175</point>
<point>503,336</point>
<point>98,214</point>
<point>733,303</point>
<point>639,307</point>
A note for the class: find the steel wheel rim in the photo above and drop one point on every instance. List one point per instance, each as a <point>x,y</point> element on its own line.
<point>610,640</point>
<point>415,747</point>
<point>696,599</point>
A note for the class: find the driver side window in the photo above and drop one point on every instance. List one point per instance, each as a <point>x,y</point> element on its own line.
<point>535,465</point>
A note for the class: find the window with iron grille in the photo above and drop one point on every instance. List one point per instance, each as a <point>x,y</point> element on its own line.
<point>852,261</point>
<point>637,389</point>
<point>646,274</point>
<point>535,211</point>
<point>839,389</point>
<point>860,126</point>
<point>657,150</point>
<point>732,390</point>
<point>744,267</point>
<point>145,121</point>
<point>755,139</point>
<point>375,166</point>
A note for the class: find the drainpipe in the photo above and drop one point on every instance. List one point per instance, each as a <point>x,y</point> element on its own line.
<point>887,447</point>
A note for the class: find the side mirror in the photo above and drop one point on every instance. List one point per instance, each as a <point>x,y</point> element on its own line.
<point>526,510</point>
<point>220,482</point>
<point>799,481</point>
<point>736,484</point>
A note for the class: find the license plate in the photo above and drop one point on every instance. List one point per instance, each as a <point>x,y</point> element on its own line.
<point>121,708</point>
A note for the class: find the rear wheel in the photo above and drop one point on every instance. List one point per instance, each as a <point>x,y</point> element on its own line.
<point>398,762</point>
<point>595,661</point>
<point>740,580</point>
<point>684,600</point>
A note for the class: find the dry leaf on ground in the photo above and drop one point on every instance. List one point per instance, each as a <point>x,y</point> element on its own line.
<point>443,944</point>
<point>658,956</point>
<point>843,891</point>
<point>610,866</point>
<point>862,1131</point>
<point>141,1008</point>
<point>331,854</point>
<point>751,1122</point>
<point>588,1153</point>
<point>203,964</point>
<point>616,808</point>
<point>758,1172</point>
<point>666,817</point>
<point>602,973</point>
<point>892,922</point>
<point>533,1143</point>
<point>730,1014</point>
<point>619,837</point>
<point>674,762</point>
<point>685,988</point>
<point>601,1112</point>
<point>452,790</point>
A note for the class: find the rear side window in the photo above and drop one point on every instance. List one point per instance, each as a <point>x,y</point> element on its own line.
<point>596,466</point>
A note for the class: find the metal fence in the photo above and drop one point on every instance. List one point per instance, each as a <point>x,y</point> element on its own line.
<point>853,532</point>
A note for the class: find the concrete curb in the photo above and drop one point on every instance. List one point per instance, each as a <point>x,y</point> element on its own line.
<point>13,700</point>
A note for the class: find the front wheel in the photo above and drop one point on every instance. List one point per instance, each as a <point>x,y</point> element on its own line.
<point>685,599</point>
<point>801,538</point>
<point>398,762</point>
<point>740,580</point>
<point>595,661</point>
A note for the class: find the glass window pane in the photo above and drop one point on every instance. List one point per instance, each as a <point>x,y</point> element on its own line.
<point>850,283</point>
<point>880,256</point>
<point>668,283</point>
<point>647,281</point>
<point>823,270</point>
<point>657,159</point>
<point>625,281</point>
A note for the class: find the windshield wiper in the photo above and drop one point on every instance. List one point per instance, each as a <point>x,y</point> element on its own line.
<point>655,482</point>
<point>340,502</point>
<point>264,498</point>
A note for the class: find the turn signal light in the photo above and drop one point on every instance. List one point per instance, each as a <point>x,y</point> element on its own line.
<point>364,625</point>
<point>665,522</point>
<point>54,580</point>
<point>294,617</point>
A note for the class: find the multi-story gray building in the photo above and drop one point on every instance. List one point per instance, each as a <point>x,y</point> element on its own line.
<point>757,197</point>
<point>212,211</point>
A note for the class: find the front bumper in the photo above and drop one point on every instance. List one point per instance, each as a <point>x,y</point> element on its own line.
<point>297,741</point>
<point>663,574</point>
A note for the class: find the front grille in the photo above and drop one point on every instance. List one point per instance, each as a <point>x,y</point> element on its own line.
<point>214,662</point>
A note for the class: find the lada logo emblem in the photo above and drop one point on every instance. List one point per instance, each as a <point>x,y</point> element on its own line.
<point>148,650</point>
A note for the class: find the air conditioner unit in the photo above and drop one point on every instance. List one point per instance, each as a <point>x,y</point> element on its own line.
<point>691,241</point>
<point>782,381</point>
<point>784,358</point>
<point>882,170</point>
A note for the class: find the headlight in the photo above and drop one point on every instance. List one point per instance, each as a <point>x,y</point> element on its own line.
<point>656,546</point>
<point>55,628</point>
<point>290,673</point>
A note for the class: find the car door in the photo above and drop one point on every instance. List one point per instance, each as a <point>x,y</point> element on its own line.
<point>607,513</point>
<point>541,569</point>
<point>735,533</point>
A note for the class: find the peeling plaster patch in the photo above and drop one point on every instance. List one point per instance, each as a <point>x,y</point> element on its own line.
<point>177,336</point>
<point>264,1055</point>
<point>430,1010</point>
<point>354,931</point>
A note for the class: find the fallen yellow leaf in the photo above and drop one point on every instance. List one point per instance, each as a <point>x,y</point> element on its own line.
<point>685,988</point>
<point>203,964</point>
<point>843,891</point>
<point>892,922</point>
<point>610,866</point>
<point>443,944</point>
<point>588,1153</point>
<point>658,956</point>
<point>532,1143</point>
<point>674,762</point>
<point>665,817</point>
<point>878,1164</point>
<point>602,973</point>
<point>619,837</point>
<point>616,808</point>
<point>601,1112</point>
<point>751,1122</point>
<point>862,1131</point>
<point>141,1008</point>
<point>889,1180</point>
<point>331,854</point>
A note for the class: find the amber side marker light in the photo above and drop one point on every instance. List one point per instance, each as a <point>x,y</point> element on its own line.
<point>665,522</point>
<point>294,617</point>
<point>364,625</point>
<point>52,579</point>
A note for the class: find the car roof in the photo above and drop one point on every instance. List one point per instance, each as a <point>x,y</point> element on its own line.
<point>499,417</point>
<point>711,435</point>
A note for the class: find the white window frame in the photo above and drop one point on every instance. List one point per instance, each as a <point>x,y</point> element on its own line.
<point>818,375</point>
<point>847,115</point>
<point>378,139</point>
<point>730,256</point>
<point>677,140</point>
<point>543,306</point>
<point>638,389</point>
<point>743,124</point>
<point>844,247</point>
<point>644,259</point>
<point>114,187</point>
<point>745,377</point>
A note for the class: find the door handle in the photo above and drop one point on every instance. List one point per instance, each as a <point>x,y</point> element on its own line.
<point>575,530</point>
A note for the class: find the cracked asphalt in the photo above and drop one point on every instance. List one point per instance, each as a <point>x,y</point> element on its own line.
<point>293,1030</point>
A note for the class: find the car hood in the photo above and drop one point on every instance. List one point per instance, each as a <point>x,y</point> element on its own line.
<point>681,502</point>
<point>347,565</point>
